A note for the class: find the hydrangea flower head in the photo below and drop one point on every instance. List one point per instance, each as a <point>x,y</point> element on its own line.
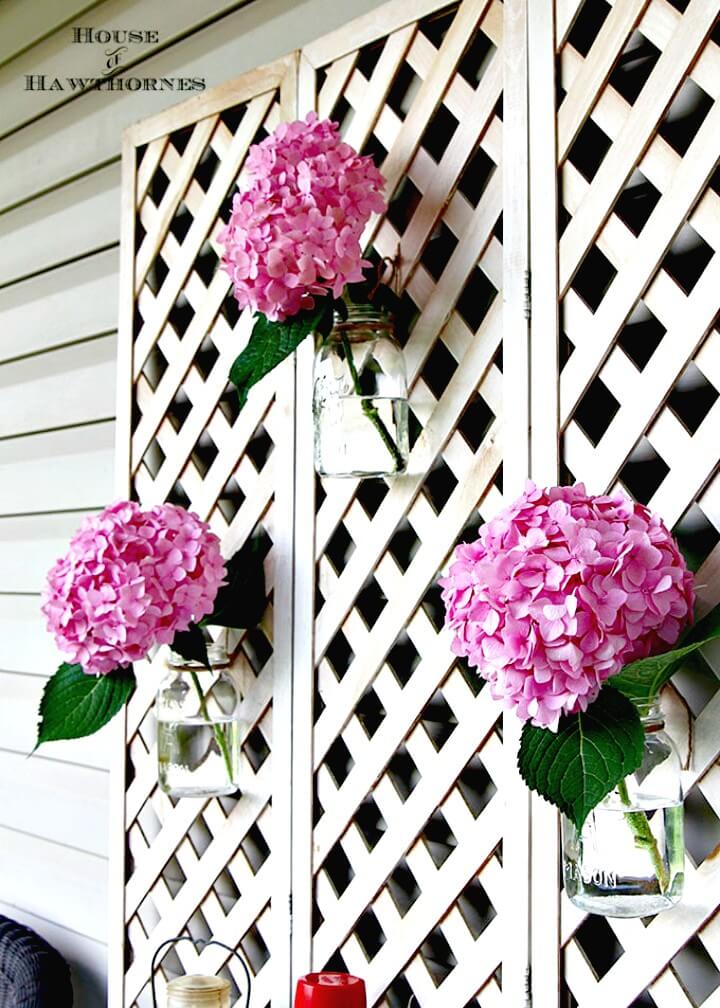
<point>296,224</point>
<point>131,579</point>
<point>559,592</point>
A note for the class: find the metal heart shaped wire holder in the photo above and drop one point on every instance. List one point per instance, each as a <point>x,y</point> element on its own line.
<point>199,943</point>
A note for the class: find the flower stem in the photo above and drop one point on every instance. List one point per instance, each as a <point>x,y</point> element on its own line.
<point>217,731</point>
<point>638,823</point>
<point>370,411</point>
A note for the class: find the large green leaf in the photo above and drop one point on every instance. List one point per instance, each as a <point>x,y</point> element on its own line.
<point>369,291</point>
<point>642,680</point>
<point>271,342</point>
<point>191,645</point>
<point>589,755</point>
<point>241,602</point>
<point>74,705</point>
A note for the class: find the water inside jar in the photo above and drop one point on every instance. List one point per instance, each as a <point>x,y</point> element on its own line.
<point>348,442</point>
<point>608,871</point>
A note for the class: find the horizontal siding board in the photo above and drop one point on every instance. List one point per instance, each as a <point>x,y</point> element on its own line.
<point>30,545</point>
<point>25,645</point>
<point>61,388</point>
<point>63,470</point>
<point>56,801</point>
<point>86,956</point>
<point>23,23</point>
<point>59,57</point>
<point>86,132</point>
<point>69,222</point>
<point>18,718</point>
<point>67,886</point>
<point>59,306</point>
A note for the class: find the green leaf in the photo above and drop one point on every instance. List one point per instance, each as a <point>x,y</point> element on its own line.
<point>241,602</point>
<point>74,705</point>
<point>589,755</point>
<point>271,342</point>
<point>191,645</point>
<point>368,291</point>
<point>642,680</point>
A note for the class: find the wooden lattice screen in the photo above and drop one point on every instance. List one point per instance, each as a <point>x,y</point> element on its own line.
<point>381,828</point>
<point>222,867</point>
<point>400,812</point>
<point>637,282</point>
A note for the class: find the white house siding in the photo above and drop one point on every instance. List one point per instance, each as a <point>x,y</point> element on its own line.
<point>59,211</point>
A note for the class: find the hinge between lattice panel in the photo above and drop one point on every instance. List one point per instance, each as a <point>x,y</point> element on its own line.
<point>527,294</point>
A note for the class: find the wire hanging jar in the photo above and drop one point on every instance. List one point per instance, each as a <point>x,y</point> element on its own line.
<point>628,859</point>
<point>198,727</point>
<point>360,407</point>
<point>196,991</point>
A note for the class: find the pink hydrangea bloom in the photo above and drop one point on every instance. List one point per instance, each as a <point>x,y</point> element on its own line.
<point>559,592</point>
<point>131,579</point>
<point>295,228</point>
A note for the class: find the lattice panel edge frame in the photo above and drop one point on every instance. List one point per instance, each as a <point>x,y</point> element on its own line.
<point>209,867</point>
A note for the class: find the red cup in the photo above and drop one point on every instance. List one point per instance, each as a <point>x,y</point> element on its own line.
<point>330,990</point>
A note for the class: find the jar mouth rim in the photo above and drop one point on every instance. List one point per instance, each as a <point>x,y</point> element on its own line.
<point>194,989</point>
<point>197,984</point>
<point>357,314</point>
<point>651,713</point>
<point>217,656</point>
<point>348,325</point>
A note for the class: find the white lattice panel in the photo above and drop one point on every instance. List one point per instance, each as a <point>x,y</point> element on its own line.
<point>208,868</point>
<point>639,399</point>
<point>407,765</point>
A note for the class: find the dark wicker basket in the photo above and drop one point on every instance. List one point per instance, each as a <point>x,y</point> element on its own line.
<point>32,973</point>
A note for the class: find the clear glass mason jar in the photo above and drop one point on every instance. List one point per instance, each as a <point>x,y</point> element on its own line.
<point>198,992</point>
<point>628,860</point>
<point>360,408</point>
<point>198,728</point>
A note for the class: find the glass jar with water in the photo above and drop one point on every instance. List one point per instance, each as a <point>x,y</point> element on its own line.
<point>628,859</point>
<point>198,727</point>
<point>360,408</point>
